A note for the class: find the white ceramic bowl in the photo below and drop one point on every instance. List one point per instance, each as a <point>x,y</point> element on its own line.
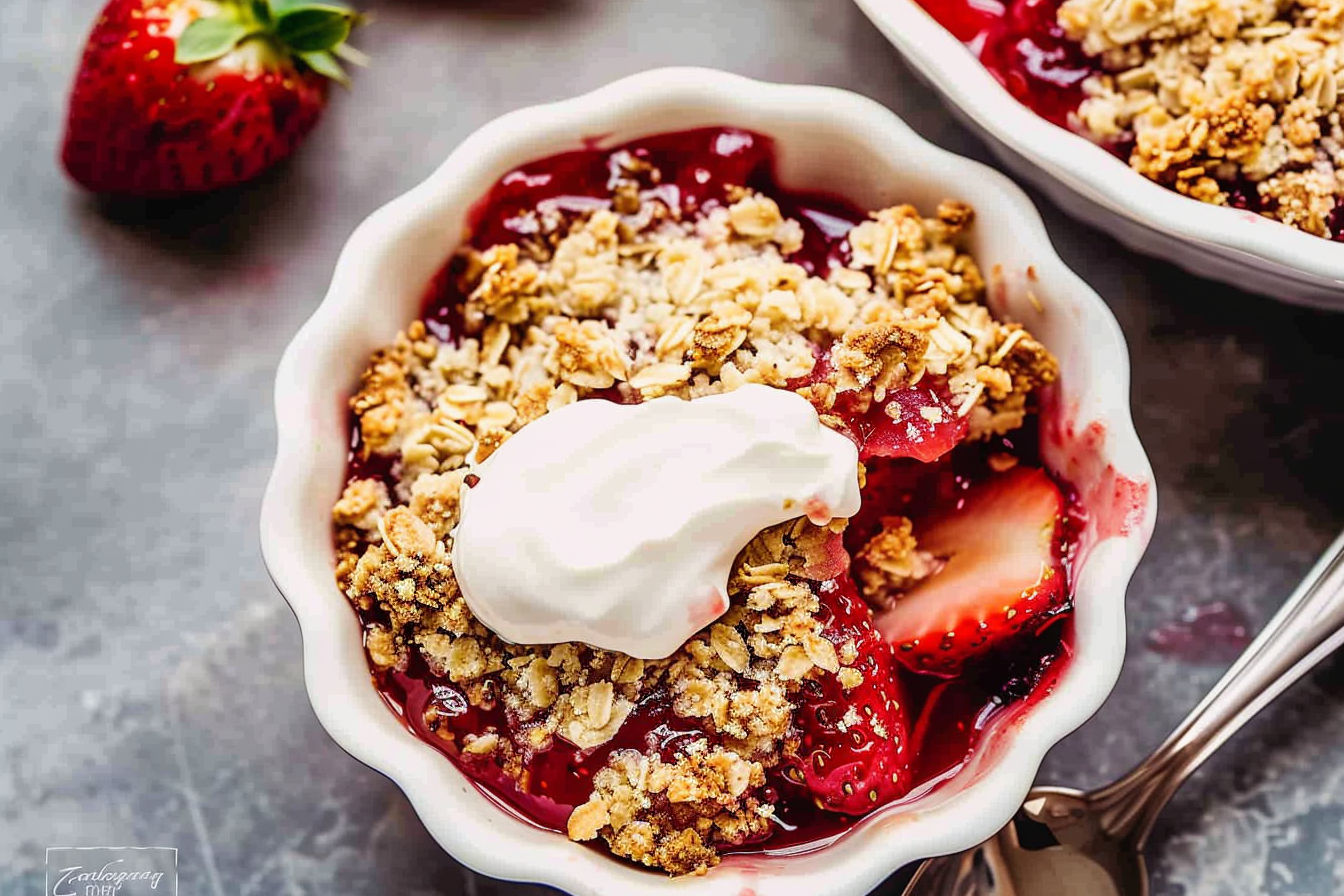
<point>1232,245</point>
<point>826,139</point>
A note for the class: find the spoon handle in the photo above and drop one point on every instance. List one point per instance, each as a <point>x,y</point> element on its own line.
<point>1306,629</point>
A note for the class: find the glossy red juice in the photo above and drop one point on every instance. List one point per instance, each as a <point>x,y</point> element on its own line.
<point>949,716</point>
<point>1023,46</point>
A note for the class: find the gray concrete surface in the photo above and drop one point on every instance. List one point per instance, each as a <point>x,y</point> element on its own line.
<point>149,673</point>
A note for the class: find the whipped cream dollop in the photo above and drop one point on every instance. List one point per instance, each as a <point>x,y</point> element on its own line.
<point>617,525</point>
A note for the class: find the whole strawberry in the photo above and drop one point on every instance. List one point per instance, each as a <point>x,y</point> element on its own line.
<point>185,96</point>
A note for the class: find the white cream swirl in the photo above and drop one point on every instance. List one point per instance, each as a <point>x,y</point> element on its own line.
<point>617,525</point>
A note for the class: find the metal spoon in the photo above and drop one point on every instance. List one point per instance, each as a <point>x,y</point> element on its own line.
<point>1075,842</point>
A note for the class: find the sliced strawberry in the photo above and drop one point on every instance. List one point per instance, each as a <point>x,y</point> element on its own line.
<point>1002,573</point>
<point>852,754</point>
<point>900,487</point>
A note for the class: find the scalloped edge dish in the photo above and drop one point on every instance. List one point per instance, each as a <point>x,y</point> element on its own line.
<point>1234,246</point>
<point>825,139</point>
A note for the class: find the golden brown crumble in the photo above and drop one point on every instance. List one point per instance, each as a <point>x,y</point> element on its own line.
<point>356,516</point>
<point>890,561</point>
<point>673,815</point>
<point>635,302</point>
<point>1221,94</point>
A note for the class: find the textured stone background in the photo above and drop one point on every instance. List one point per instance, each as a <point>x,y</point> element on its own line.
<point>149,673</point>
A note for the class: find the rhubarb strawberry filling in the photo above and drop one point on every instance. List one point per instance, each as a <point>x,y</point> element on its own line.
<point>1231,102</point>
<point>697,515</point>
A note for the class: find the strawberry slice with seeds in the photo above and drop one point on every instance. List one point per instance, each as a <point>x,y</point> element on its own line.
<point>1002,573</point>
<point>851,755</point>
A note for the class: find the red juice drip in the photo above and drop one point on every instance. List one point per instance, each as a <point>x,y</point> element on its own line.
<point>954,713</point>
<point>950,716</point>
<point>1023,46</point>
<point>1209,633</point>
<point>361,464</point>
<point>441,308</point>
<point>1335,223</point>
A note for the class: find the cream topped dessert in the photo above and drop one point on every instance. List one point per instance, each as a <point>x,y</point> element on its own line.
<point>652,364</point>
<point>617,525</point>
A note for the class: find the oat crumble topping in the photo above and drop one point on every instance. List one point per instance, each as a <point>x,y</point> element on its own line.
<point>633,301</point>
<point>891,561</point>
<point>1232,102</point>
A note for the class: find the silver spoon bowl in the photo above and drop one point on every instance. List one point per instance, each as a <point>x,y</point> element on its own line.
<point>1065,841</point>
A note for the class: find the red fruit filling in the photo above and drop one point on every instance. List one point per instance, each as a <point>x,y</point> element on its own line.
<point>1023,46</point>
<point>942,665</point>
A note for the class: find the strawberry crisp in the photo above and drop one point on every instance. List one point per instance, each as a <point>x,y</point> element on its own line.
<point>858,663</point>
<point>1231,102</point>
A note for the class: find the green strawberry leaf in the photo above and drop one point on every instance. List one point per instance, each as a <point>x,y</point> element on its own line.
<point>314,28</point>
<point>208,38</point>
<point>280,7</point>
<point>324,63</point>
